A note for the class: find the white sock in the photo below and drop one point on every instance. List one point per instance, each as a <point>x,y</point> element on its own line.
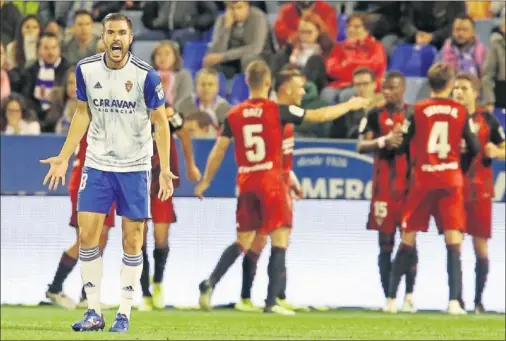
<point>130,277</point>
<point>91,273</point>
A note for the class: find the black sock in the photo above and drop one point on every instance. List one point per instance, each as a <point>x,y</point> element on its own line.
<point>481,278</point>
<point>282,292</point>
<point>402,262</point>
<point>160,256</point>
<point>83,294</point>
<point>65,266</point>
<point>454,268</point>
<point>249,269</point>
<point>386,244</point>
<point>274,270</point>
<point>411,274</point>
<point>145,272</point>
<point>228,257</point>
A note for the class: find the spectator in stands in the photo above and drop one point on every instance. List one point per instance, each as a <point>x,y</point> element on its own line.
<point>463,50</point>
<point>240,36</point>
<point>9,21</point>
<point>287,22</point>
<point>429,22</point>
<point>167,61</point>
<point>205,111</point>
<point>83,43</point>
<point>307,50</point>
<point>364,84</point>
<point>5,84</point>
<point>383,21</point>
<point>42,77</point>
<point>27,7</point>
<point>180,21</point>
<point>22,52</point>
<point>61,13</point>
<point>358,50</point>
<point>494,70</point>
<point>63,103</point>
<point>497,8</point>
<point>17,118</point>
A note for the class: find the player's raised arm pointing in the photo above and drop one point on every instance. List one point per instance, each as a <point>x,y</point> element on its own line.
<point>80,122</point>
<point>155,100</point>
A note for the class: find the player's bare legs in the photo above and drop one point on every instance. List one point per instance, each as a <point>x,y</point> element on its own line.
<point>481,269</point>
<point>228,257</point>
<point>131,269</point>
<point>277,265</point>
<point>249,268</point>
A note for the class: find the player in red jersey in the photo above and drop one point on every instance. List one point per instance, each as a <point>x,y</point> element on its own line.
<point>435,131</point>
<point>380,133</point>
<point>289,90</point>
<point>262,206</point>
<point>162,212</point>
<point>70,256</point>
<point>479,186</point>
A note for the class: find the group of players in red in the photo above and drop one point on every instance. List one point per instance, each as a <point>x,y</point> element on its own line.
<point>411,182</point>
<point>432,159</point>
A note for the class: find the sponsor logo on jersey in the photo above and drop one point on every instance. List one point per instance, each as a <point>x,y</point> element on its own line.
<point>114,106</point>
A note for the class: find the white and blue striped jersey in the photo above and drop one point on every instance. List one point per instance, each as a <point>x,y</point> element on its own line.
<point>120,101</point>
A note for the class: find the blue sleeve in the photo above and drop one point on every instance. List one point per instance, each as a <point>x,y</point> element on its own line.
<point>80,85</point>
<point>153,90</point>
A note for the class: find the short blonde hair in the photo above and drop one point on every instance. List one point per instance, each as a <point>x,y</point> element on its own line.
<point>256,72</point>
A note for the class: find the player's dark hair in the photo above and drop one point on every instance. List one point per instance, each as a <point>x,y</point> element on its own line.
<point>117,17</point>
<point>284,76</point>
<point>439,75</point>
<point>467,76</point>
<point>364,71</point>
<point>178,60</point>
<point>256,72</point>
<point>82,11</point>
<point>47,35</point>
<point>395,74</point>
<point>465,17</point>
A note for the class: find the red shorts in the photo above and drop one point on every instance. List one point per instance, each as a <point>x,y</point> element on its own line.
<point>385,213</point>
<point>479,217</point>
<point>109,220</point>
<point>446,205</point>
<point>263,207</point>
<point>162,211</point>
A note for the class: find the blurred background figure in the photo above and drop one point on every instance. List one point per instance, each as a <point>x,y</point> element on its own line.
<point>17,118</point>
<point>9,21</point>
<point>82,43</point>
<point>464,50</point>
<point>205,110</point>
<point>167,61</point>
<point>5,84</point>
<point>494,69</point>
<point>63,103</point>
<point>22,52</point>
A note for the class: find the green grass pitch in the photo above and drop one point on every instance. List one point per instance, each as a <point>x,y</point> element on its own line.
<point>50,323</point>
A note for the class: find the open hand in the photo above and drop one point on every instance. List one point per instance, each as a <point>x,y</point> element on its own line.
<point>57,171</point>
<point>201,188</point>
<point>166,185</point>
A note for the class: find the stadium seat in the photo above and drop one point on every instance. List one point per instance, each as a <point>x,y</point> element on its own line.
<point>271,18</point>
<point>413,87</point>
<point>483,29</point>
<point>413,60</point>
<point>239,90</point>
<point>136,18</point>
<point>207,36</point>
<point>193,54</point>
<point>341,27</point>
<point>143,49</point>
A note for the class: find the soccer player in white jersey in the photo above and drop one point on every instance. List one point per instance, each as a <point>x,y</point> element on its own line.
<point>119,97</point>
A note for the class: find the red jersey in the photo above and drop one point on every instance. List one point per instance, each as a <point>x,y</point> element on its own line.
<point>288,146</point>
<point>390,169</point>
<point>435,130</point>
<point>257,125</point>
<point>479,178</point>
<point>176,123</point>
<point>78,164</point>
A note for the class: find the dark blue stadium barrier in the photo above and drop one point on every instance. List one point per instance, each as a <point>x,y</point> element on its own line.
<point>327,169</point>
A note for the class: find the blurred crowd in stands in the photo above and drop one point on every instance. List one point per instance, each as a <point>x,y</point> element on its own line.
<point>201,48</point>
